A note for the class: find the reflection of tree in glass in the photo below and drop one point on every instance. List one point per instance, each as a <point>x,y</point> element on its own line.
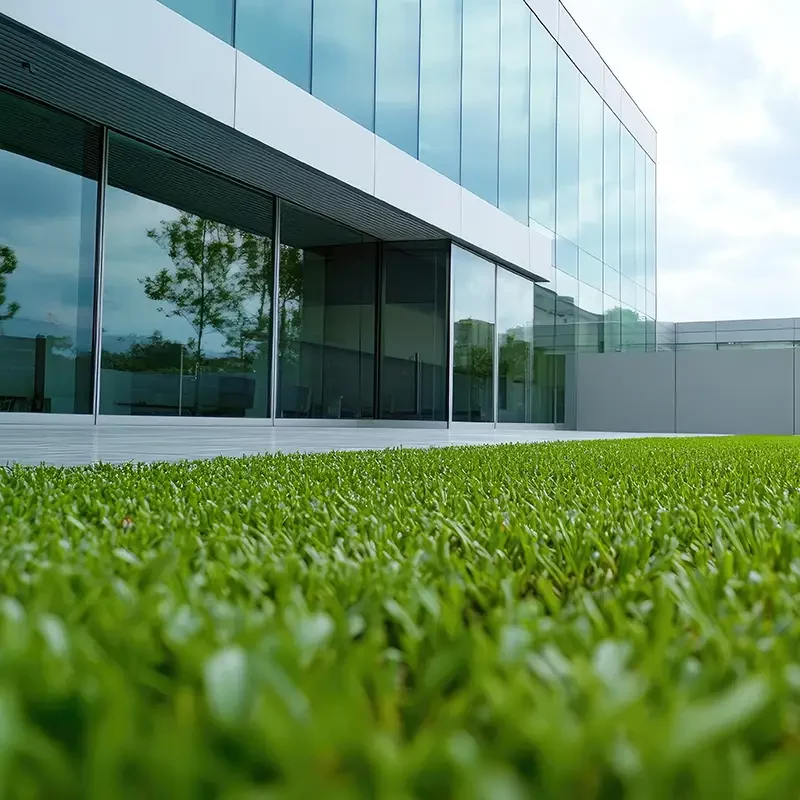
<point>291,292</point>
<point>8,263</point>
<point>470,357</point>
<point>155,354</point>
<point>200,289</point>
<point>515,357</point>
<point>246,329</point>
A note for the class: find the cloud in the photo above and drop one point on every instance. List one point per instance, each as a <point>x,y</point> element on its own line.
<point>719,80</point>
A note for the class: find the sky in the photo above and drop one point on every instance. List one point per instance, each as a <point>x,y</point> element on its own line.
<point>720,81</point>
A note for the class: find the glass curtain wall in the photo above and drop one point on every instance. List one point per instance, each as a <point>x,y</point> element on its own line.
<point>515,108</point>
<point>49,168</point>
<point>517,399</point>
<point>473,337</point>
<point>414,331</point>
<point>480,98</point>
<point>187,304</point>
<point>327,317</point>
<point>277,33</point>
<point>397,74</point>
<point>216,16</point>
<point>343,57</point>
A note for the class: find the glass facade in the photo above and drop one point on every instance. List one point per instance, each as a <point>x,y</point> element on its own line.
<point>187,297</point>
<point>49,168</point>
<point>363,329</point>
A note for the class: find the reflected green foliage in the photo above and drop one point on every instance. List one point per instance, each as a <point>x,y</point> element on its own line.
<point>8,264</point>
<point>200,288</point>
<point>583,620</point>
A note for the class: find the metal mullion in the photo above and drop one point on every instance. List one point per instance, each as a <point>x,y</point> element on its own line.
<point>496,356</point>
<point>450,336</point>
<point>276,284</point>
<point>99,270</point>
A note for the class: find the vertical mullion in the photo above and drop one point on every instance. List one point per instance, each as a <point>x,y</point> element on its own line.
<point>99,269</point>
<point>496,359</point>
<point>450,336</point>
<point>276,284</point>
<point>380,294</point>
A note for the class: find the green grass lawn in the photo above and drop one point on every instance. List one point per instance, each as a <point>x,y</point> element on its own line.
<point>583,620</point>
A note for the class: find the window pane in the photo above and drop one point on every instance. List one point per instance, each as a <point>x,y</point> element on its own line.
<point>515,99</point>
<point>517,399</point>
<point>590,270</point>
<point>440,87</point>
<point>568,153</point>
<point>187,290</point>
<point>480,98</point>
<point>544,356</point>
<point>473,337</point>
<point>216,16</point>
<point>344,57</point>
<point>414,331</point>
<point>277,34</point>
<point>651,227</point>
<point>397,94</point>
<point>48,212</point>
<point>591,333</point>
<point>328,288</point>
<point>611,282</point>
<point>544,60</point>
<point>628,205</point>
<point>611,210</point>
<point>641,215</point>
<point>613,324</point>
<point>591,170</point>
<point>633,330</point>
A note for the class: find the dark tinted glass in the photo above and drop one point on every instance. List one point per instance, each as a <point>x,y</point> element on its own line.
<point>187,290</point>
<point>277,33</point>
<point>344,57</point>
<point>516,393</point>
<point>328,292</point>
<point>397,74</point>
<point>48,212</point>
<point>473,337</point>
<point>544,354</point>
<point>414,331</point>
<point>216,16</point>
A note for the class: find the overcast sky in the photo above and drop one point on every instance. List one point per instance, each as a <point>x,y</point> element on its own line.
<point>720,81</point>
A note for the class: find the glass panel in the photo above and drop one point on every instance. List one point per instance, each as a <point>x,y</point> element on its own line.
<point>641,215</point>
<point>544,60</point>
<point>568,150</point>
<point>641,299</point>
<point>651,226</point>
<point>515,99</point>
<point>611,209</point>
<point>591,170</point>
<point>590,270</point>
<point>566,335</point>
<point>650,335</point>
<point>633,330</point>
<point>517,399</point>
<point>48,212</point>
<point>611,282</point>
<point>651,305</point>
<point>544,355</point>
<point>480,98</point>
<point>591,333</point>
<point>328,289</point>
<point>628,205</point>
<point>397,74</point>
<point>628,292</point>
<point>344,57</point>
<point>567,256</point>
<point>473,337</point>
<point>613,325</point>
<point>187,290</point>
<point>440,87</point>
<point>414,331</point>
<point>216,16</point>
<point>277,34</point>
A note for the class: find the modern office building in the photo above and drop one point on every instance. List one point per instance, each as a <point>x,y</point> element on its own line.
<point>409,211</point>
